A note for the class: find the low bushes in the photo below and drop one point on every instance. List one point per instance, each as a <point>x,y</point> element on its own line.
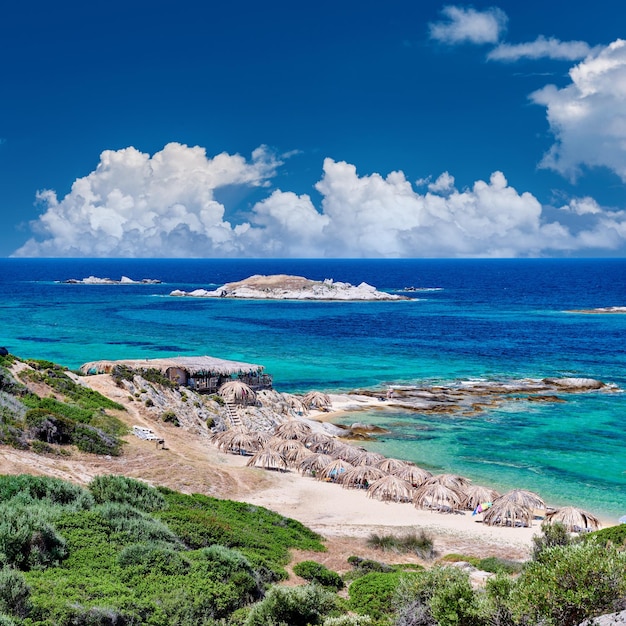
<point>318,573</point>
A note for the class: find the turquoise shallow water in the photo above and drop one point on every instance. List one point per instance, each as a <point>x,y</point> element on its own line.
<point>491,319</point>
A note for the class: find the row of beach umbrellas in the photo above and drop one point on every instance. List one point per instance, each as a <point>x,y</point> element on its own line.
<point>294,445</point>
<point>238,392</point>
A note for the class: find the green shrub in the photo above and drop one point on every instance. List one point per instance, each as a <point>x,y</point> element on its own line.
<point>551,535</point>
<point>89,439</point>
<point>125,490</point>
<point>27,540</point>
<point>170,417</point>
<point>348,620</point>
<point>45,426</point>
<point>14,593</point>
<point>295,606</point>
<point>151,559</point>
<point>615,535</point>
<point>373,594</point>
<point>318,573</point>
<point>567,584</point>
<point>5,620</point>
<point>418,543</point>
<point>44,488</point>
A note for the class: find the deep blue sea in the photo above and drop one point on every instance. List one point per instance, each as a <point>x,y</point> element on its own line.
<point>489,319</point>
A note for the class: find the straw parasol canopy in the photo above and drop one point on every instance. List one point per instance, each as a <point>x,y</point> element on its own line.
<point>293,429</point>
<point>296,403</point>
<point>505,512</point>
<point>316,400</point>
<point>413,474</point>
<point>284,445</point>
<point>295,455</point>
<point>476,494</point>
<point>391,466</point>
<point>313,463</point>
<point>575,520</point>
<point>361,476</point>
<point>237,441</point>
<point>268,459</point>
<point>319,442</point>
<point>437,497</point>
<point>524,498</point>
<point>238,392</point>
<point>370,458</point>
<point>451,480</point>
<point>334,470</point>
<point>391,489</point>
<point>347,452</point>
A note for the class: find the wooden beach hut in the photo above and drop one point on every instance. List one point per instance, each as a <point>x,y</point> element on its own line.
<point>205,374</point>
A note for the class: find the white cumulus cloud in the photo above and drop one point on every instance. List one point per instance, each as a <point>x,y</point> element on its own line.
<point>541,48</point>
<point>588,116</point>
<point>467,25</point>
<point>135,205</point>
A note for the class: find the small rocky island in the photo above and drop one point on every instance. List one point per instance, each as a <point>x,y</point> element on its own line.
<point>601,310</point>
<point>285,287</point>
<point>124,280</point>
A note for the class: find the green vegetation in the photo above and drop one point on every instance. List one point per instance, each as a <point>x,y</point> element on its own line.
<point>123,372</point>
<point>417,543</point>
<point>70,414</point>
<point>122,552</point>
<point>318,573</point>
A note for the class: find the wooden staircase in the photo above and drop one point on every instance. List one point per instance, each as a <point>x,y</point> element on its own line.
<point>232,414</point>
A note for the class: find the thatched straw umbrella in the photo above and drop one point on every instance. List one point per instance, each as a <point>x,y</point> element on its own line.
<point>347,452</point>
<point>316,400</point>
<point>413,474</point>
<point>314,463</point>
<point>370,458</point>
<point>293,429</point>
<point>237,441</point>
<point>575,520</point>
<point>296,403</point>
<point>361,477</point>
<point>505,512</point>
<point>238,392</point>
<point>268,459</point>
<point>437,497</point>
<point>391,489</point>
<point>319,442</point>
<point>391,466</point>
<point>451,480</point>
<point>333,471</point>
<point>475,495</point>
<point>295,455</point>
<point>524,498</point>
<point>284,445</point>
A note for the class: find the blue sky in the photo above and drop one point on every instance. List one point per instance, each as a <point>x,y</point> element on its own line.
<point>328,129</point>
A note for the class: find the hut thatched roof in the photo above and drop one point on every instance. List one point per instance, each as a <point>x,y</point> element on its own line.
<point>295,455</point>
<point>413,474</point>
<point>296,403</point>
<point>505,512</point>
<point>268,459</point>
<point>314,463</point>
<point>524,498</point>
<point>333,471</point>
<point>361,476</point>
<point>293,429</point>
<point>238,392</point>
<point>370,458</point>
<point>438,497</point>
<point>193,365</point>
<point>451,480</point>
<point>346,452</point>
<point>237,441</point>
<point>575,520</point>
<point>476,494</point>
<point>391,466</point>
<point>316,400</point>
<point>319,442</point>
<point>391,489</point>
<point>284,445</point>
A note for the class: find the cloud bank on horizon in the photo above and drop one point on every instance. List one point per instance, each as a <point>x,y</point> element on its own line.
<point>164,205</point>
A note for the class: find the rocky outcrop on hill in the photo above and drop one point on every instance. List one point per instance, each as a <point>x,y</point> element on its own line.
<point>285,287</point>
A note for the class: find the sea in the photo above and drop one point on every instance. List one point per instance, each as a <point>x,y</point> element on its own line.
<point>467,320</point>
